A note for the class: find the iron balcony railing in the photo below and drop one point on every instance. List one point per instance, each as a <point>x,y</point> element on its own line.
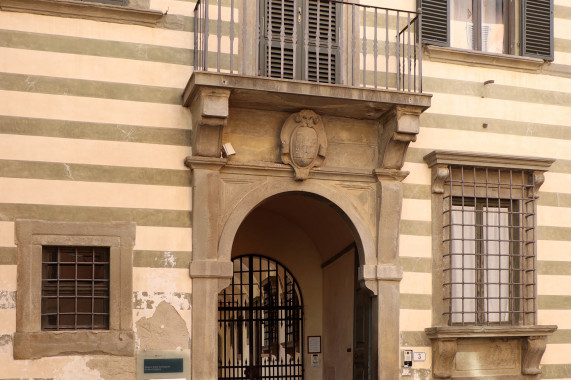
<point>324,41</point>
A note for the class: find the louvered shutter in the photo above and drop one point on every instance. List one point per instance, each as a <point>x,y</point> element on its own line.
<point>537,29</point>
<point>435,21</point>
<point>326,23</point>
<point>271,62</point>
<point>271,56</point>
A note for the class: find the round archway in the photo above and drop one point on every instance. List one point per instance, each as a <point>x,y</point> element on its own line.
<point>317,242</point>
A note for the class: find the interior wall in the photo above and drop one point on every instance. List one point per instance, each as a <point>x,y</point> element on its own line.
<point>338,295</point>
<point>270,234</point>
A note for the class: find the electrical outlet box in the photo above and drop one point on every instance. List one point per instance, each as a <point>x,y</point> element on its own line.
<point>407,358</point>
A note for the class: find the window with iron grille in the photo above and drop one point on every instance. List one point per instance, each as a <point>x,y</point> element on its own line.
<point>75,288</point>
<point>489,242</point>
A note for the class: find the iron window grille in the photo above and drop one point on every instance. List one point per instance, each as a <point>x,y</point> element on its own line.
<point>489,246</point>
<point>75,288</point>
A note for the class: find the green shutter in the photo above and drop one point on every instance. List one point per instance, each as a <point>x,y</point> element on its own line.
<point>272,11</point>
<point>435,22</point>
<point>537,29</point>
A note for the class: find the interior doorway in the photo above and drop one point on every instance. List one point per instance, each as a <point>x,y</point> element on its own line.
<point>290,245</point>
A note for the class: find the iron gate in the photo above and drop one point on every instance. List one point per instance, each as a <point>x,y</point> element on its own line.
<point>260,319</point>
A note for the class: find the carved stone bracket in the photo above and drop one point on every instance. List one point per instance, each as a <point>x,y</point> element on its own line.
<point>538,180</point>
<point>209,116</point>
<point>304,143</point>
<point>533,348</point>
<point>400,127</point>
<point>439,175</point>
<point>443,354</point>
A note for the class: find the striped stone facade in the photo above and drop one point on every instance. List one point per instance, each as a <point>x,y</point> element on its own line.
<point>92,129</point>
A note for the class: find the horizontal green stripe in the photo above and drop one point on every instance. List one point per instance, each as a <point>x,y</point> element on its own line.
<point>93,131</point>
<point>555,371</point>
<point>416,264</point>
<point>162,259</point>
<point>415,227</point>
<point>414,339</point>
<point>94,173</point>
<point>562,45</point>
<point>507,127</point>
<point>100,48</point>
<point>562,12</point>
<point>554,199</point>
<point>177,22</point>
<point>8,255</point>
<point>143,217</point>
<point>560,337</point>
<point>414,191</point>
<point>554,268</point>
<point>89,88</point>
<point>553,233</point>
<point>416,301</point>
<point>554,302</point>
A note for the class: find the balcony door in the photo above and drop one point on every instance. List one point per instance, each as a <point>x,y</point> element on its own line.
<point>300,39</point>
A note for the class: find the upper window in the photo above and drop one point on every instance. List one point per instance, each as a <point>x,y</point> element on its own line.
<point>517,27</point>
<point>74,288</point>
<point>299,40</point>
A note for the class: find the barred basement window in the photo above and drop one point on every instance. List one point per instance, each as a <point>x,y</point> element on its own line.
<point>75,288</point>
<point>489,239</point>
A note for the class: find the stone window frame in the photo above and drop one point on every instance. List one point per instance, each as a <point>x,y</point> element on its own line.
<point>445,338</point>
<point>97,10</point>
<point>30,342</point>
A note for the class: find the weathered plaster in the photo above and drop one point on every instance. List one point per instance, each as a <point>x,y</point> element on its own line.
<point>165,330</point>
<point>150,300</point>
<point>7,299</point>
<point>112,367</point>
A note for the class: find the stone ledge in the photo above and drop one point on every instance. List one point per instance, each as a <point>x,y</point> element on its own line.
<point>452,332</point>
<point>448,157</point>
<point>84,10</point>
<point>478,58</point>
<point>34,345</point>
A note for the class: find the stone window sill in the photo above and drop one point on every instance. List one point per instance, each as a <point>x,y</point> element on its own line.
<point>84,10</point>
<point>478,58</point>
<point>445,345</point>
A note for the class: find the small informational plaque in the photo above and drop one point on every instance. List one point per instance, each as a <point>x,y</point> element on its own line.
<point>163,365</point>
<point>314,344</point>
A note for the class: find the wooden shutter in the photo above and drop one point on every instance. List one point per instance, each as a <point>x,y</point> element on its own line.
<point>435,21</point>
<point>272,56</point>
<point>537,29</point>
<point>326,28</point>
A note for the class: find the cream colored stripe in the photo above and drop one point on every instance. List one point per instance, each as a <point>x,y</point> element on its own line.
<point>416,209</point>
<point>415,246</point>
<point>48,368</point>
<point>419,173</point>
<point>187,8</point>
<point>62,107</point>
<point>562,57</point>
<point>556,182</point>
<point>64,26</point>
<point>436,138</point>
<point>550,250</point>
<point>416,283</point>
<point>94,194</point>
<point>557,354</point>
<point>110,153</point>
<point>472,106</point>
<point>8,326</point>
<point>163,239</point>
<point>554,285</point>
<point>554,216</point>
<point>502,77</point>
<point>562,28</point>
<point>94,68</point>
<point>8,278</point>
<point>7,234</point>
<point>561,318</point>
<point>162,280</point>
<point>414,320</point>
